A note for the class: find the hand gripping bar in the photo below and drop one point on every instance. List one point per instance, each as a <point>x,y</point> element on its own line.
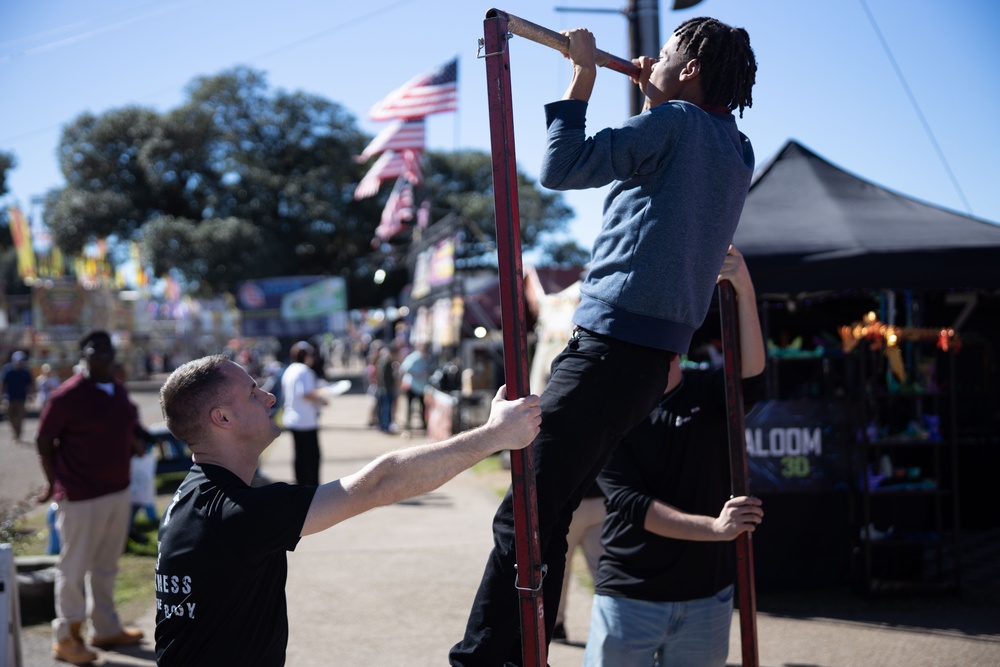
<point>560,42</point>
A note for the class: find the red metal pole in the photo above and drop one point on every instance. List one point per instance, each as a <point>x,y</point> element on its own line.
<point>746,596</point>
<point>515,334</point>
<point>560,42</point>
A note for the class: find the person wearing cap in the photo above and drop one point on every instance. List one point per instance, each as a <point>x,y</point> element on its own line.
<point>17,383</point>
<point>302,397</point>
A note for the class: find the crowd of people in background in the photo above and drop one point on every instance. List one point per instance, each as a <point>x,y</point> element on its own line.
<point>396,375</point>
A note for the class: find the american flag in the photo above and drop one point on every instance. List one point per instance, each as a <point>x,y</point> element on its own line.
<point>398,136</point>
<point>424,215</point>
<point>390,165</point>
<point>398,209</point>
<point>432,92</point>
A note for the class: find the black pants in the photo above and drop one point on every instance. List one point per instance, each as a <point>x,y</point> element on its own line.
<point>599,390</point>
<point>417,396</point>
<point>306,456</point>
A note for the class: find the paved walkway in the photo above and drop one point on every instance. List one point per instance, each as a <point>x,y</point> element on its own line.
<point>393,586</point>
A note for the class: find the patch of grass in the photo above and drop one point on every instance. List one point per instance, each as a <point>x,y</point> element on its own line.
<point>135,595</point>
<point>16,528</point>
<point>35,533</point>
<point>492,470</point>
<point>168,482</point>
<point>489,464</point>
<point>145,545</point>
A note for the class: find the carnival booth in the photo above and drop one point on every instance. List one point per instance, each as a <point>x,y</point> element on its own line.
<point>880,313</point>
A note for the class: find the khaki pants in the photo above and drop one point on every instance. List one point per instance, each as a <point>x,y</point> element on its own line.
<point>92,535</point>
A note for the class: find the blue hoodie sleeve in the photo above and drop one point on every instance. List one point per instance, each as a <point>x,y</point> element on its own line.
<point>574,161</point>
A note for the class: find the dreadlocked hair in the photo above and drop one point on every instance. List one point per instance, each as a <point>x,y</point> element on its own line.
<point>728,66</point>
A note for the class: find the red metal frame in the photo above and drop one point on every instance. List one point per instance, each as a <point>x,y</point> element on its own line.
<point>746,595</point>
<point>515,334</point>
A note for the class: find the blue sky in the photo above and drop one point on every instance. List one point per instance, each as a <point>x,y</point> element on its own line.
<point>824,77</point>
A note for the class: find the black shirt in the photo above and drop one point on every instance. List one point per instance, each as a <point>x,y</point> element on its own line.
<point>221,569</point>
<point>679,455</point>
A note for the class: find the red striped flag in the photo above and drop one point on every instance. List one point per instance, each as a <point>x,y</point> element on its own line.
<point>398,209</point>
<point>432,92</point>
<point>424,215</point>
<point>390,165</point>
<point>400,135</point>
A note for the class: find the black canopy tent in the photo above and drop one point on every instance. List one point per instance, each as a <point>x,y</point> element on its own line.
<point>809,226</point>
<point>823,247</point>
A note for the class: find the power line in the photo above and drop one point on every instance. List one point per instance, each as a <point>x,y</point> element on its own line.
<point>916,107</point>
<point>327,31</point>
<point>80,31</point>
<point>284,47</point>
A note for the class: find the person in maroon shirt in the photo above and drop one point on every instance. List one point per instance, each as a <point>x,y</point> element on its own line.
<point>87,434</point>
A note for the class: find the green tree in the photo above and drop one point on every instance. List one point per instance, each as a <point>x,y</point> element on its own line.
<point>565,253</point>
<point>7,163</point>
<point>462,182</point>
<point>254,183</point>
<point>242,181</point>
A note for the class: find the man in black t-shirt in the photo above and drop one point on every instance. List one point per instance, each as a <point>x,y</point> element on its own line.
<point>663,593</point>
<point>221,566</point>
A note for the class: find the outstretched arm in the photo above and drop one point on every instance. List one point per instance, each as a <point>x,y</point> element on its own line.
<point>410,472</point>
<point>738,515</point>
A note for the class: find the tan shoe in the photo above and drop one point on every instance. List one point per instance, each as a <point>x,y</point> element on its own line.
<point>73,651</point>
<point>127,637</point>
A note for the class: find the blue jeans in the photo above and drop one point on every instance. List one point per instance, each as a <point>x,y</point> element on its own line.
<point>638,633</point>
<point>386,401</point>
<point>599,390</point>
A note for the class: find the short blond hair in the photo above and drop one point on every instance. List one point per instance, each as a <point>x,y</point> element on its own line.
<point>188,395</point>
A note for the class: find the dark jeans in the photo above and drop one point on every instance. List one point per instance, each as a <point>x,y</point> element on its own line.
<point>15,413</point>
<point>306,456</point>
<point>386,403</point>
<point>417,396</point>
<point>599,389</point>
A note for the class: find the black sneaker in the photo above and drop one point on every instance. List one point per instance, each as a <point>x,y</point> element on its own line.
<point>559,633</point>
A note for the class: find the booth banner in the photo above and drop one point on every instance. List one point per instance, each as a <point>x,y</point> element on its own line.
<point>59,303</point>
<point>325,297</point>
<point>260,303</point>
<point>446,322</point>
<point>796,446</point>
<point>440,413</point>
<point>434,268</point>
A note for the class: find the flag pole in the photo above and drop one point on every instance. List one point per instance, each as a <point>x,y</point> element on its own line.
<point>746,595</point>
<point>530,570</point>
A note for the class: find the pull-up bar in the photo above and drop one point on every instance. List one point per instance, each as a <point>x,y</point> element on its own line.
<point>560,42</point>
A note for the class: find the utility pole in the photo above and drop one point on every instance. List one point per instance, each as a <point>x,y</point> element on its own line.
<point>643,36</point>
<point>643,40</point>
